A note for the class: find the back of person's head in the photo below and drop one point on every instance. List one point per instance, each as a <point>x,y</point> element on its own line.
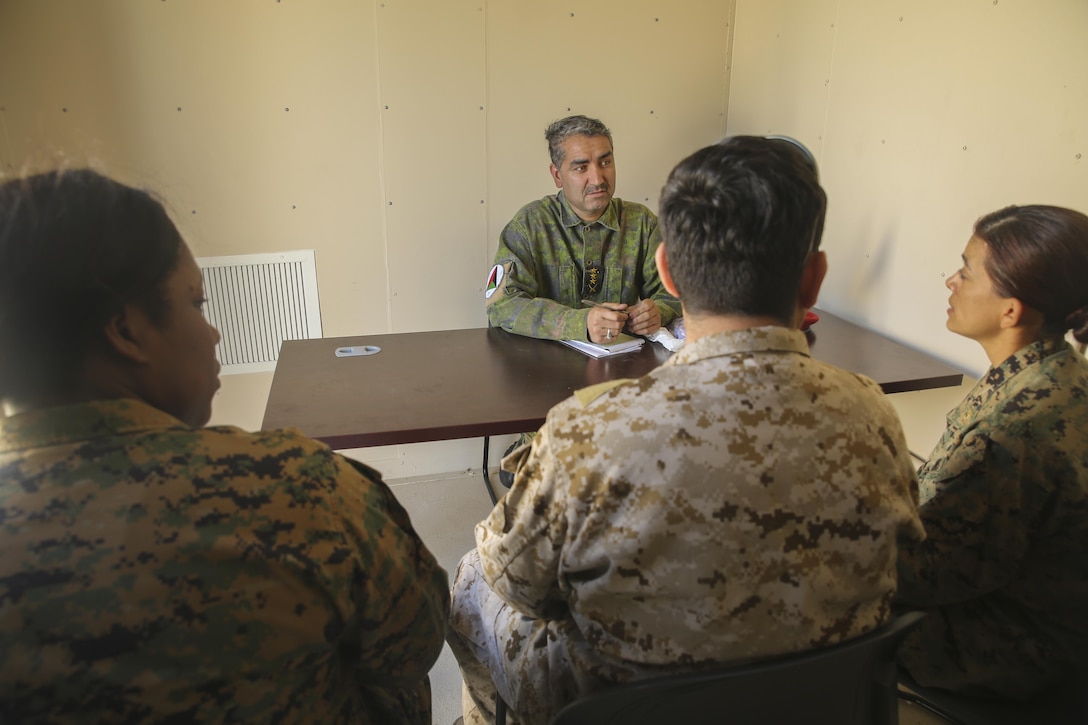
<point>1039,255</point>
<point>559,131</point>
<point>75,248</point>
<point>739,219</point>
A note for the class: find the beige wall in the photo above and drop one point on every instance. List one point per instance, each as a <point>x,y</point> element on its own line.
<point>394,137</point>
<point>923,116</point>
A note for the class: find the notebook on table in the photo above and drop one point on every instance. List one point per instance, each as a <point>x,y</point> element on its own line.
<point>620,344</point>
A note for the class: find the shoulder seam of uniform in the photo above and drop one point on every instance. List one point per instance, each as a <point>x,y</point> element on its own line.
<point>587,395</point>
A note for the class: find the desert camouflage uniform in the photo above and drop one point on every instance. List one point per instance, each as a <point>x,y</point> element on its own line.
<point>152,572</point>
<point>545,251</point>
<point>743,500</point>
<point>1005,566</point>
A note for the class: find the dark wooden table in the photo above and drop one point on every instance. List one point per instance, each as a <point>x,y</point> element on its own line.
<point>430,386</point>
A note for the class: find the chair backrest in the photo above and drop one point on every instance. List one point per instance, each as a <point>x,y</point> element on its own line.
<point>853,683</point>
<point>1066,703</point>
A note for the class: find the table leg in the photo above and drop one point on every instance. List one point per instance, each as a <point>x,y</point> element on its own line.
<point>487,478</point>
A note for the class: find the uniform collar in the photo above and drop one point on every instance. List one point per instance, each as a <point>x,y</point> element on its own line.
<point>753,339</point>
<point>998,376</point>
<point>609,220</point>
<point>81,422</point>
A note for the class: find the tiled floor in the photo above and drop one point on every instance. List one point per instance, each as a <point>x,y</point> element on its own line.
<point>444,509</point>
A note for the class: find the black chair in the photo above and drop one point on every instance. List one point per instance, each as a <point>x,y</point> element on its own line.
<point>1063,704</point>
<point>853,683</point>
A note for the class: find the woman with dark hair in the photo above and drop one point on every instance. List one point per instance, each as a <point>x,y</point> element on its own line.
<point>1004,570</point>
<point>154,569</point>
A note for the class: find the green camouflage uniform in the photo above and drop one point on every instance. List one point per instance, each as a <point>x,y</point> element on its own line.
<point>1005,567</point>
<point>742,500</point>
<point>546,252</point>
<point>154,572</point>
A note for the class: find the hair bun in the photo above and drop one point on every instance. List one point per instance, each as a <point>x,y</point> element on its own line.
<point>1077,321</point>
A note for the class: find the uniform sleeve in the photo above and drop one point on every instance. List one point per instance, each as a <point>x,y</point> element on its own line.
<point>400,593</point>
<point>516,306</point>
<point>977,523</point>
<point>652,288</point>
<point>521,541</point>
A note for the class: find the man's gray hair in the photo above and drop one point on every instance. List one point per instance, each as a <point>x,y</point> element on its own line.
<point>564,128</point>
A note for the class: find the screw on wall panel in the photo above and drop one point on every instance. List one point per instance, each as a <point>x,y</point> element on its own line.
<point>572,15</point>
<point>64,110</point>
<point>293,206</point>
<point>390,203</point>
<point>481,108</point>
<point>481,201</point>
<point>651,112</point>
<point>1077,156</point>
<point>882,141</point>
<point>179,108</point>
<point>657,20</point>
<point>900,18</point>
<point>194,211</point>
<point>387,108</point>
<point>964,148</point>
<point>286,108</point>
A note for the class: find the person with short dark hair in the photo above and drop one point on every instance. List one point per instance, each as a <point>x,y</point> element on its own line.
<point>740,501</point>
<point>154,569</point>
<point>1004,570</point>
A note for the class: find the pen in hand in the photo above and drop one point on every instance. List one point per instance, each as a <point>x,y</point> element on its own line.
<point>591,303</point>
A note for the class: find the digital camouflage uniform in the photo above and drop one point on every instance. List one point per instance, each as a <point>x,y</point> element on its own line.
<point>547,253</point>
<point>1005,567</point>
<point>153,572</point>
<point>742,500</point>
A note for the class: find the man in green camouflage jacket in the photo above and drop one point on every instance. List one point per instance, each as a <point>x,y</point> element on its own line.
<point>579,244</point>
<point>741,501</point>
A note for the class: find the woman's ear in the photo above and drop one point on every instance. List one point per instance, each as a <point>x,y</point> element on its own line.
<point>661,259</point>
<point>1015,313</point>
<point>1012,311</point>
<point>125,333</point>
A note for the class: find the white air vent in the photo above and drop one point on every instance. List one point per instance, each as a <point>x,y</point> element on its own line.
<point>257,301</point>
